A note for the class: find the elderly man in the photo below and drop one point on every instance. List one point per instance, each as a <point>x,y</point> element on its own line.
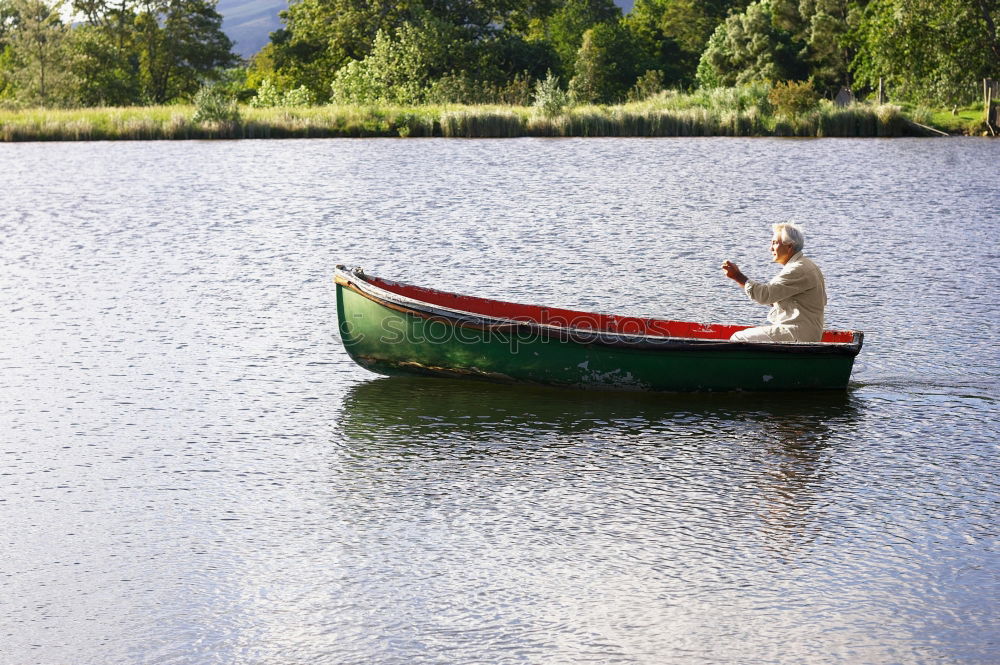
<point>797,295</point>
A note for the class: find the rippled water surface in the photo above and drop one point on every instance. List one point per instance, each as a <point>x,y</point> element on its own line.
<point>193,471</point>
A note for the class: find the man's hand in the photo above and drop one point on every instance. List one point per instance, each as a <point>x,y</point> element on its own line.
<point>733,272</point>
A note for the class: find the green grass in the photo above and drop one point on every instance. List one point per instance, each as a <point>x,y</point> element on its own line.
<point>965,121</point>
<point>725,112</point>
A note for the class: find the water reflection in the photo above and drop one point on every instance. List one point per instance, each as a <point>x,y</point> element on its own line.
<point>762,460</point>
<point>415,410</point>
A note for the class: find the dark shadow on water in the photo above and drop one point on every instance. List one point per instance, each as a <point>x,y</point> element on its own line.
<point>402,411</point>
<point>768,454</point>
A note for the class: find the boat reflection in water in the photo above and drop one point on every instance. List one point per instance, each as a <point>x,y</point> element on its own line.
<point>401,411</point>
<point>755,461</point>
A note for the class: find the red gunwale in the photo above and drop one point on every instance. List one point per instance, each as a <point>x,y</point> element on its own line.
<point>569,318</point>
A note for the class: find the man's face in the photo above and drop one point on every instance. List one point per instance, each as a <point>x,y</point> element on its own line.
<point>780,253</point>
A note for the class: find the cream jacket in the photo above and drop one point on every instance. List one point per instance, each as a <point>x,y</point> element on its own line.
<point>797,296</point>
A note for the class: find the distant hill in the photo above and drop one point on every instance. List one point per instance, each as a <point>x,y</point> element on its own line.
<point>250,22</point>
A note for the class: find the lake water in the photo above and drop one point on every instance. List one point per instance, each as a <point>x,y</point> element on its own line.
<point>193,471</point>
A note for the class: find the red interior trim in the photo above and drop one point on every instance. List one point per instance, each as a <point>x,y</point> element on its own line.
<point>573,319</point>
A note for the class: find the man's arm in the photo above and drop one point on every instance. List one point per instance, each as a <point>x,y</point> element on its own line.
<point>785,285</point>
<point>733,272</point>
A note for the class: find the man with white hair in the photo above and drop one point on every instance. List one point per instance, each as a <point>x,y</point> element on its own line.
<point>797,294</point>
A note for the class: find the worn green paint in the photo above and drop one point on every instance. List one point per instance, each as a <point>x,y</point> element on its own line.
<point>391,342</point>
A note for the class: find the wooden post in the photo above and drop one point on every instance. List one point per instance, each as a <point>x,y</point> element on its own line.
<point>881,100</point>
<point>988,90</point>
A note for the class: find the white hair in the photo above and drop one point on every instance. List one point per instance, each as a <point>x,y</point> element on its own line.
<point>789,234</point>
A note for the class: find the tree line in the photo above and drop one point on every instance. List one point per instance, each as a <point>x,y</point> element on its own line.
<point>129,52</point>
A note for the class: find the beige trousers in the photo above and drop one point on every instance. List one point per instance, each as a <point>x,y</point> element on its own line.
<point>765,334</point>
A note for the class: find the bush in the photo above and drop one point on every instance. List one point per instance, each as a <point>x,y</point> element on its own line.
<point>301,96</point>
<point>268,95</point>
<point>550,98</point>
<point>648,85</point>
<point>215,104</point>
<point>793,98</point>
<point>461,88</point>
<point>517,91</point>
<point>457,88</point>
<point>750,97</point>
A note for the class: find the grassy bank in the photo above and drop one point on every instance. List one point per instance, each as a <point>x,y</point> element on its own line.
<point>668,114</point>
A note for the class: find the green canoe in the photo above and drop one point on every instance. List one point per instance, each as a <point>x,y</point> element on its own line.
<point>392,328</point>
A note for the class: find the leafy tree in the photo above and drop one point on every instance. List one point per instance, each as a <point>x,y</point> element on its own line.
<point>563,29</point>
<point>589,83</point>
<point>301,96</point>
<point>263,67</point>
<point>928,51</point>
<point>107,74</point>
<point>6,67</point>
<point>434,58</point>
<point>323,36</point>
<point>399,70</point>
<point>750,47</point>
<point>677,31</point>
<point>7,19</point>
<point>134,51</point>
<point>501,57</point>
<point>610,61</point>
<point>182,45</point>
<point>819,30</point>
<point>267,95</point>
<point>35,55</point>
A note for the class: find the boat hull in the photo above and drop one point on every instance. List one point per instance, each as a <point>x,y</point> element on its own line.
<point>391,339</point>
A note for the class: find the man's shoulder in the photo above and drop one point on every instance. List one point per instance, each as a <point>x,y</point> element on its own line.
<point>801,265</point>
<point>810,263</point>
<point>801,261</point>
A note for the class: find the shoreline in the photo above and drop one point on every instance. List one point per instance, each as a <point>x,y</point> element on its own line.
<point>453,121</point>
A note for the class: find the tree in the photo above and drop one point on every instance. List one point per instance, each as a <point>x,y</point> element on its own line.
<point>7,19</point>
<point>35,55</point>
<point>148,51</point>
<point>494,44</point>
<point>444,52</point>
<point>928,51</point>
<point>819,30</point>
<point>563,29</point>
<point>182,45</point>
<point>107,61</point>
<point>750,47</point>
<point>589,83</point>
<point>107,73</point>
<point>322,36</point>
<point>400,68</point>
<point>505,55</point>
<point>678,31</point>
<point>609,62</point>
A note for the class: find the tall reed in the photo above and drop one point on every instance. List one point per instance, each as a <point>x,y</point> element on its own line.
<point>741,111</point>
<point>488,123</point>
